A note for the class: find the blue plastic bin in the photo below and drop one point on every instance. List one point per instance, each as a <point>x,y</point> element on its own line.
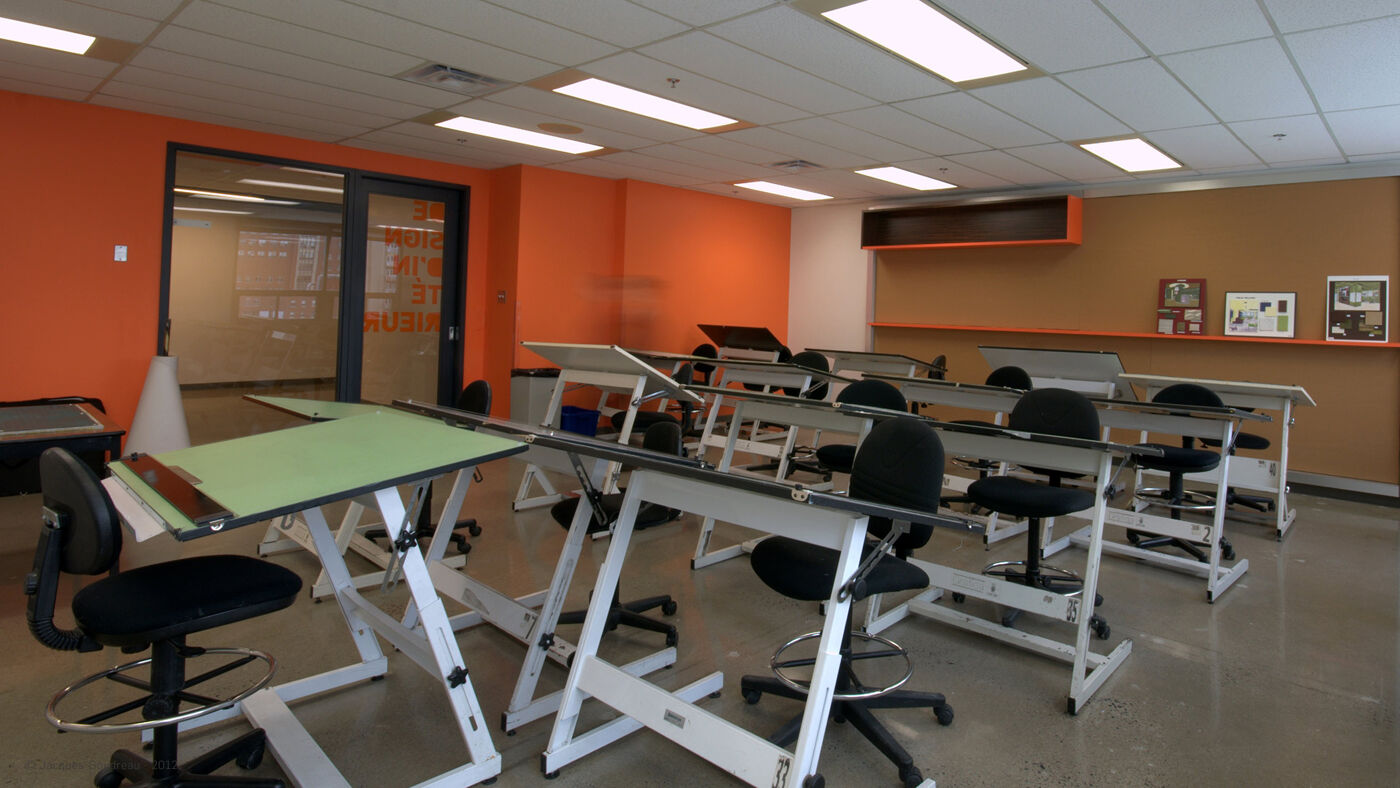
<point>580,420</point>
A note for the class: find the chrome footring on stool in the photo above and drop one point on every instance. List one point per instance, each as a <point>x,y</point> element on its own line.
<point>198,711</point>
<point>1051,573</point>
<point>777,666</point>
<point>1191,501</point>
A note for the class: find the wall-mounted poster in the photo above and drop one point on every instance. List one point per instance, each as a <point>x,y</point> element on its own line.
<point>1181,306</point>
<point>1356,308</point>
<point>1260,314</point>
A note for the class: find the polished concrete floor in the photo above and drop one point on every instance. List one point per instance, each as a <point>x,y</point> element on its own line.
<point>1289,679</point>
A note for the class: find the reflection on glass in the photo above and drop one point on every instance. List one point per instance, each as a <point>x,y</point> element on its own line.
<point>254,283</point>
<point>403,290</point>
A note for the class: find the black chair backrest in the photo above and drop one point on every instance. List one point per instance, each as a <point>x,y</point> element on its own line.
<point>1192,395</point>
<point>900,463</point>
<point>940,367</point>
<point>707,351</point>
<point>476,398</point>
<point>664,437</point>
<point>1010,378</point>
<point>874,393</point>
<point>810,360</point>
<point>1055,412</point>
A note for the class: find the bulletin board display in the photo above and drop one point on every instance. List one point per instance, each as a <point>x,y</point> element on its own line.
<point>1356,308</point>
<point>1260,314</point>
<point>1181,306</point>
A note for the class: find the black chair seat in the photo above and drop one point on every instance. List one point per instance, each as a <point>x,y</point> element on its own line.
<point>1020,498</point>
<point>1175,458</point>
<point>172,599</point>
<point>837,456</point>
<point>643,419</point>
<point>648,514</point>
<point>799,570</point>
<point>1244,441</point>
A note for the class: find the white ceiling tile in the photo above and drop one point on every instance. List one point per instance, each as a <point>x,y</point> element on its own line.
<point>1054,37</point>
<point>732,168</point>
<point>703,13</point>
<point>787,146</point>
<point>194,86</point>
<point>23,56</point>
<point>906,129</point>
<point>229,109</point>
<point>1352,66</point>
<point>572,110</point>
<point>426,41</point>
<point>1363,132</point>
<point>601,167</point>
<point>616,21</point>
<point>450,144</point>
<point>1189,24</point>
<point>725,146</point>
<point>202,116</point>
<point>1243,81</point>
<point>1068,161</point>
<point>222,73</point>
<point>975,119</point>
<point>1204,147</point>
<point>849,138</point>
<point>1294,15</point>
<point>1141,94</point>
<point>146,9</point>
<point>641,72</point>
<point>486,109</point>
<point>500,26</point>
<point>818,48</point>
<point>275,34</point>
<point>1051,107</point>
<point>1003,165</point>
<point>735,65</point>
<point>284,65</point>
<point>81,18</point>
<point>646,161</point>
<point>1305,139</point>
<point>9,83</point>
<point>843,183</point>
<point>81,84</point>
<point>954,172</point>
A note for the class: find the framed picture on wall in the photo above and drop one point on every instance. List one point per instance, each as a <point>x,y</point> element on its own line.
<point>1356,308</point>
<point>1181,306</point>
<point>1261,314</point>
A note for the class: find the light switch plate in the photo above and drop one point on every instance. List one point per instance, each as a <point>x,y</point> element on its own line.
<point>119,254</point>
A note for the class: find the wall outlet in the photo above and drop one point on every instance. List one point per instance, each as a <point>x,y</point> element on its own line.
<point>119,253</point>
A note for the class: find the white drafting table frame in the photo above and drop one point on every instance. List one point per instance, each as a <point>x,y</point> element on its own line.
<point>298,470</point>
<point>1248,472</point>
<point>876,363</point>
<point>1094,372</point>
<point>608,368</point>
<point>769,375</point>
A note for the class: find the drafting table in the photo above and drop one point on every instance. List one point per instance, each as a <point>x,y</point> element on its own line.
<point>290,533</point>
<point>26,430</point>
<point>1095,460</point>
<point>1249,473</point>
<point>832,521</point>
<point>766,376</point>
<point>1094,372</point>
<point>298,470</point>
<point>1221,424</point>
<point>791,412</point>
<point>879,363</point>
<point>751,342</point>
<point>610,369</point>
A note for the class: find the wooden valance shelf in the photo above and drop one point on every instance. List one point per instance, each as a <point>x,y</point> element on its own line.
<point>1046,221</point>
<point>1133,335</point>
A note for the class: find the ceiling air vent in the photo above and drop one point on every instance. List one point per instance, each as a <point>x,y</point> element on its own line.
<point>796,165</point>
<point>454,79</point>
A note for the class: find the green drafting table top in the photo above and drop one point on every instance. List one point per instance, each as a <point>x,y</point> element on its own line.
<point>275,473</point>
<point>315,409</point>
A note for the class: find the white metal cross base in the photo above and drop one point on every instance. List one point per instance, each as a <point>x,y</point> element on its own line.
<point>1089,670</point>
<point>432,645</point>
<point>1256,475</point>
<point>746,755</point>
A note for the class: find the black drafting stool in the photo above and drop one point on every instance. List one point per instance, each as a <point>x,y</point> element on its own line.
<point>1007,377</point>
<point>1176,462</point>
<point>703,371</point>
<point>642,421</point>
<point>840,457</point>
<point>662,437</point>
<point>814,361</point>
<point>899,463</point>
<point>153,606</point>
<point>1048,412</point>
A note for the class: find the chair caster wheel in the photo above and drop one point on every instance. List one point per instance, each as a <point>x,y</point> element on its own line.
<point>912,778</point>
<point>959,597</point>
<point>672,637</point>
<point>814,781</point>
<point>251,758</point>
<point>474,530</point>
<point>668,608</point>
<point>944,714</point>
<point>107,778</point>
<point>714,694</point>
<point>1100,627</point>
<point>490,781</point>
<point>1133,537</point>
<point>751,696</point>
<point>463,549</point>
<point>1008,618</point>
<point>1227,552</point>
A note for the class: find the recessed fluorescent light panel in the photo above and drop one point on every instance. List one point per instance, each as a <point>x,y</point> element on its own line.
<point>783,191</point>
<point>288,185</point>
<point>901,177</point>
<point>522,136</point>
<point>921,33</point>
<point>41,36</point>
<point>1133,155</point>
<point>637,102</point>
